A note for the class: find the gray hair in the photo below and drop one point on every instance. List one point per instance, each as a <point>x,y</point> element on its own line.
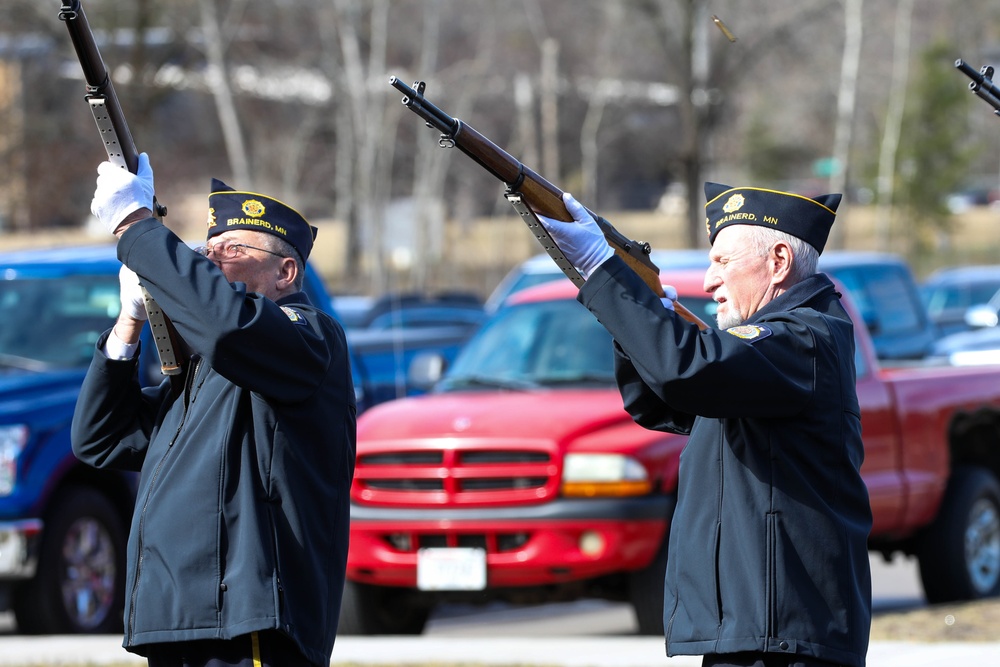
<point>805,257</point>
<point>285,249</point>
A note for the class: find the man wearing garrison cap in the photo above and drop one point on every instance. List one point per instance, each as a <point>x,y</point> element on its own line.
<point>768,556</point>
<point>238,544</point>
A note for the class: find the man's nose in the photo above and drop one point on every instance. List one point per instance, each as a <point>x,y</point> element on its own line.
<point>712,281</point>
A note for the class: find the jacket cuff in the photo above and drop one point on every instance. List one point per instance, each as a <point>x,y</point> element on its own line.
<point>604,273</point>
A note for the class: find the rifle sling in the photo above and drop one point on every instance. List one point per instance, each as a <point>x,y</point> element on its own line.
<point>543,237</point>
<point>158,326</point>
<point>116,154</point>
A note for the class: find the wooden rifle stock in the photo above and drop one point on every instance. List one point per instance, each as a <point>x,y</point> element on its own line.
<point>525,187</point>
<point>121,151</point>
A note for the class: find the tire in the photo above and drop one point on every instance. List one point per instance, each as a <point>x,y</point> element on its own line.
<point>960,553</point>
<point>79,587</point>
<point>646,594</point>
<point>374,610</point>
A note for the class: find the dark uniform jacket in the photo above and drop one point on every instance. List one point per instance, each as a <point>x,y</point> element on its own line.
<point>241,519</point>
<point>768,543</point>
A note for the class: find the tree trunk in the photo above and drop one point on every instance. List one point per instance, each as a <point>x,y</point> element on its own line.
<point>693,108</point>
<point>893,124</point>
<point>845,109</point>
<point>550,109</point>
<point>596,103</point>
<point>364,131</point>
<point>218,81</point>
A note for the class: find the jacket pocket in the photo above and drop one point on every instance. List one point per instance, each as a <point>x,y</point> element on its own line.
<point>771,575</point>
<point>717,552</point>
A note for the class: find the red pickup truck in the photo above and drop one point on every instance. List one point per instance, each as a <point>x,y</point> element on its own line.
<point>521,478</point>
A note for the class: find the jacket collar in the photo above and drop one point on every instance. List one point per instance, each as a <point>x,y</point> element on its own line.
<point>295,297</point>
<point>816,291</point>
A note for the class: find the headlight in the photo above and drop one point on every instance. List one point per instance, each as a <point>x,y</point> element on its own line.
<point>12,440</point>
<point>590,475</point>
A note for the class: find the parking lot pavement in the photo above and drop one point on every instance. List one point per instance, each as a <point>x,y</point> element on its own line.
<point>616,652</point>
<point>554,652</point>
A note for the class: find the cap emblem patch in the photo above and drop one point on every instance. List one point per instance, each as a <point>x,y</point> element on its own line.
<point>253,208</point>
<point>734,203</point>
<point>211,217</point>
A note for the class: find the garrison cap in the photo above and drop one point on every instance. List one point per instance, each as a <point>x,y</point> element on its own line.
<point>807,218</point>
<point>233,209</point>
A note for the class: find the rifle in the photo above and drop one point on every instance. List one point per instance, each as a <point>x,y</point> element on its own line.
<point>121,151</point>
<point>982,83</point>
<point>531,195</point>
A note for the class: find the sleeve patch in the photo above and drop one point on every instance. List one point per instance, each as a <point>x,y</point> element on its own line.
<point>750,332</point>
<point>294,315</point>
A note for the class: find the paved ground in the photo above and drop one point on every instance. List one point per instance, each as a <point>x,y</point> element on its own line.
<point>558,652</point>
<point>593,634</point>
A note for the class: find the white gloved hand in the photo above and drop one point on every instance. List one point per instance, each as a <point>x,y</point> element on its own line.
<point>133,303</point>
<point>581,241</point>
<point>669,296</point>
<point>120,192</point>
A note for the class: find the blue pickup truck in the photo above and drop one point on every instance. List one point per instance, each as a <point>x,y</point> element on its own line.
<point>62,524</point>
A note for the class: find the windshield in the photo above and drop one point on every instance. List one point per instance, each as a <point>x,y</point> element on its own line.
<point>539,344</point>
<point>55,322</point>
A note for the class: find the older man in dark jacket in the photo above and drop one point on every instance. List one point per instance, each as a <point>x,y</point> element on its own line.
<point>238,543</point>
<point>768,544</point>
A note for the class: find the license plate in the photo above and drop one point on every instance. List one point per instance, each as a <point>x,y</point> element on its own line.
<point>451,569</point>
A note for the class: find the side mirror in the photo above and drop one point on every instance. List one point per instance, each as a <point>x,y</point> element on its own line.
<point>981,316</point>
<point>871,323</point>
<point>425,369</point>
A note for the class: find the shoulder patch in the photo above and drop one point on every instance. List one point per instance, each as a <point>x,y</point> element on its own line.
<point>294,315</point>
<point>750,332</point>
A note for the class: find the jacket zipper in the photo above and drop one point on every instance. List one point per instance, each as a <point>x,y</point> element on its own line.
<point>274,552</point>
<point>152,483</point>
<point>771,592</point>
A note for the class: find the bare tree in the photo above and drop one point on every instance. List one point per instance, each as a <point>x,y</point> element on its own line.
<point>14,208</point>
<point>692,103</point>
<point>220,85</point>
<point>360,111</point>
<point>893,122</point>
<point>787,79</point>
<point>846,103</point>
<point>596,103</point>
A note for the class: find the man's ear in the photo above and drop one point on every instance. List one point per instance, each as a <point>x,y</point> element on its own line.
<point>287,273</point>
<point>781,258</point>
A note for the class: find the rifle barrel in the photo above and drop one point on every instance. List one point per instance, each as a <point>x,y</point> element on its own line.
<point>981,84</point>
<point>414,99</point>
<point>120,148</point>
<point>98,80</point>
<point>534,195</point>
<point>968,70</point>
<point>94,71</point>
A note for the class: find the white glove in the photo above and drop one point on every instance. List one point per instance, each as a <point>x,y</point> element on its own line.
<point>120,192</point>
<point>581,241</point>
<point>133,303</point>
<point>670,295</point>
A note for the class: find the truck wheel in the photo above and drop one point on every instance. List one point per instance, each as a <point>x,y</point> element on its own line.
<point>960,553</point>
<point>646,593</point>
<point>374,610</point>
<point>80,584</point>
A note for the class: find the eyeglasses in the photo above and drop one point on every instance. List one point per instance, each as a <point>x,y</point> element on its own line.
<point>229,250</point>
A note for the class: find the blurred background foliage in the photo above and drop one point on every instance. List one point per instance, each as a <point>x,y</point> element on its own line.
<point>630,105</point>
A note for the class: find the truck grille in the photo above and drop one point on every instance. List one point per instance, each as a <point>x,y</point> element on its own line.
<point>435,477</point>
<point>490,542</point>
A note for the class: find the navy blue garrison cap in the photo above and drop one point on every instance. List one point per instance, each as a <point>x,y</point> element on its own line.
<point>232,209</point>
<point>809,219</point>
